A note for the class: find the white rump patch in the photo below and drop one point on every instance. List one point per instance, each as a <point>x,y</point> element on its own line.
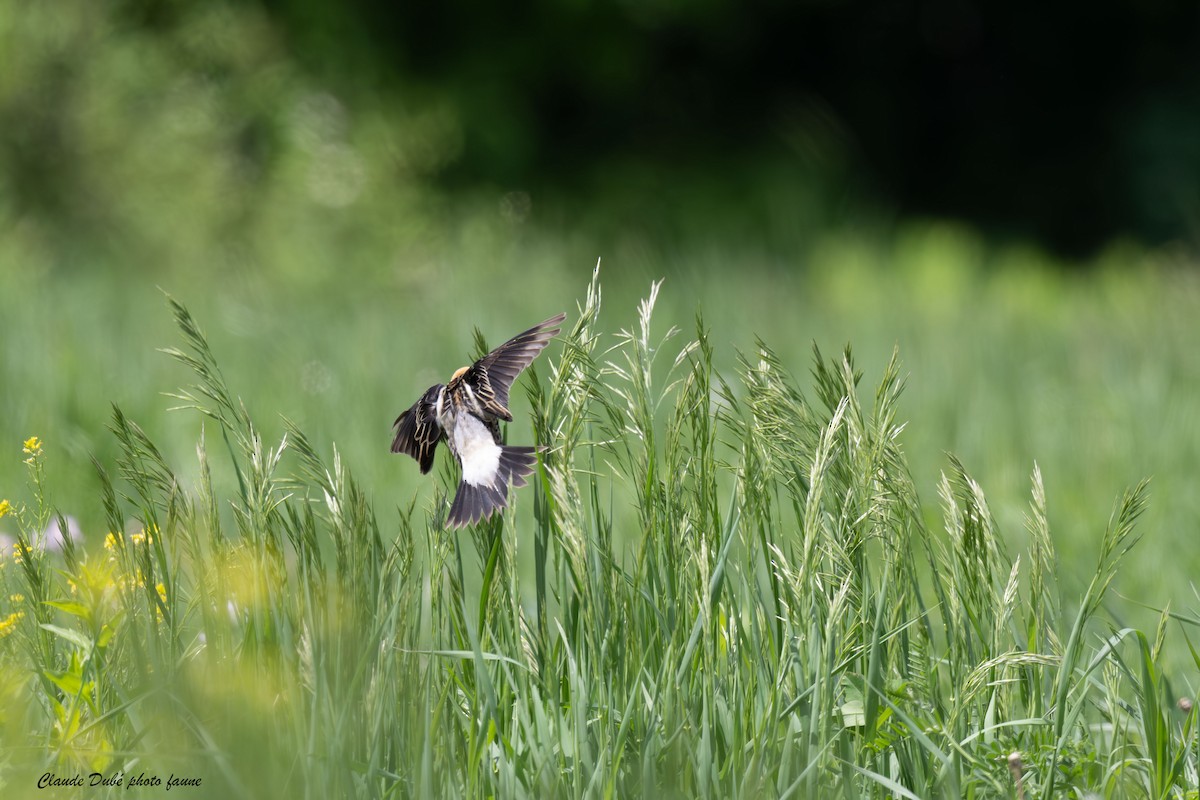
<point>478,452</point>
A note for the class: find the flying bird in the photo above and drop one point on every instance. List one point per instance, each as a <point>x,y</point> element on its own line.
<point>466,414</point>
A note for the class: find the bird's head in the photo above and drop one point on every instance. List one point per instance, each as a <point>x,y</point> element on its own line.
<point>458,372</point>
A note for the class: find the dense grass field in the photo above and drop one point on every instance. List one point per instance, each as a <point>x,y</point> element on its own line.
<point>1010,358</point>
<point>730,578</point>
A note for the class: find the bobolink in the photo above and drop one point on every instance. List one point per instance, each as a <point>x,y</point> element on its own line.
<point>466,413</point>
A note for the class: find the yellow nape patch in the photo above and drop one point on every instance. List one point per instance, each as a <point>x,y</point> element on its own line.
<point>458,372</point>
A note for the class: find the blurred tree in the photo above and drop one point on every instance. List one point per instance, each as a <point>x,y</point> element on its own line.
<point>140,133</point>
<point>1053,122</point>
<point>1065,123</point>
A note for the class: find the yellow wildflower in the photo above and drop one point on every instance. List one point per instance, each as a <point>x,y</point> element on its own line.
<point>162,595</point>
<point>144,535</point>
<point>9,624</point>
<point>5,507</point>
<point>16,598</point>
<point>110,541</point>
<point>33,445</point>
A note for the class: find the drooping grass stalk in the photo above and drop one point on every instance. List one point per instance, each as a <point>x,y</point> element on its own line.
<point>1117,541</point>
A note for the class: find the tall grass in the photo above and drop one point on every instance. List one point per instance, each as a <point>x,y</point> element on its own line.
<point>781,622</point>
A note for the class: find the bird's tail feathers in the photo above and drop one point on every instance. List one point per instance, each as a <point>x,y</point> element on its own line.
<point>516,464</point>
<point>476,502</point>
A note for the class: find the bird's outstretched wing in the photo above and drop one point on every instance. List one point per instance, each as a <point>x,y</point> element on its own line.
<point>418,431</point>
<point>491,377</point>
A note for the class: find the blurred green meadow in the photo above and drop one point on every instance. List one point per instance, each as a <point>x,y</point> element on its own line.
<point>335,280</point>
<point>1011,359</point>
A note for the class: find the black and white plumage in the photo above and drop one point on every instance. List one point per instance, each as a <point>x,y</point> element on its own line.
<point>466,414</point>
